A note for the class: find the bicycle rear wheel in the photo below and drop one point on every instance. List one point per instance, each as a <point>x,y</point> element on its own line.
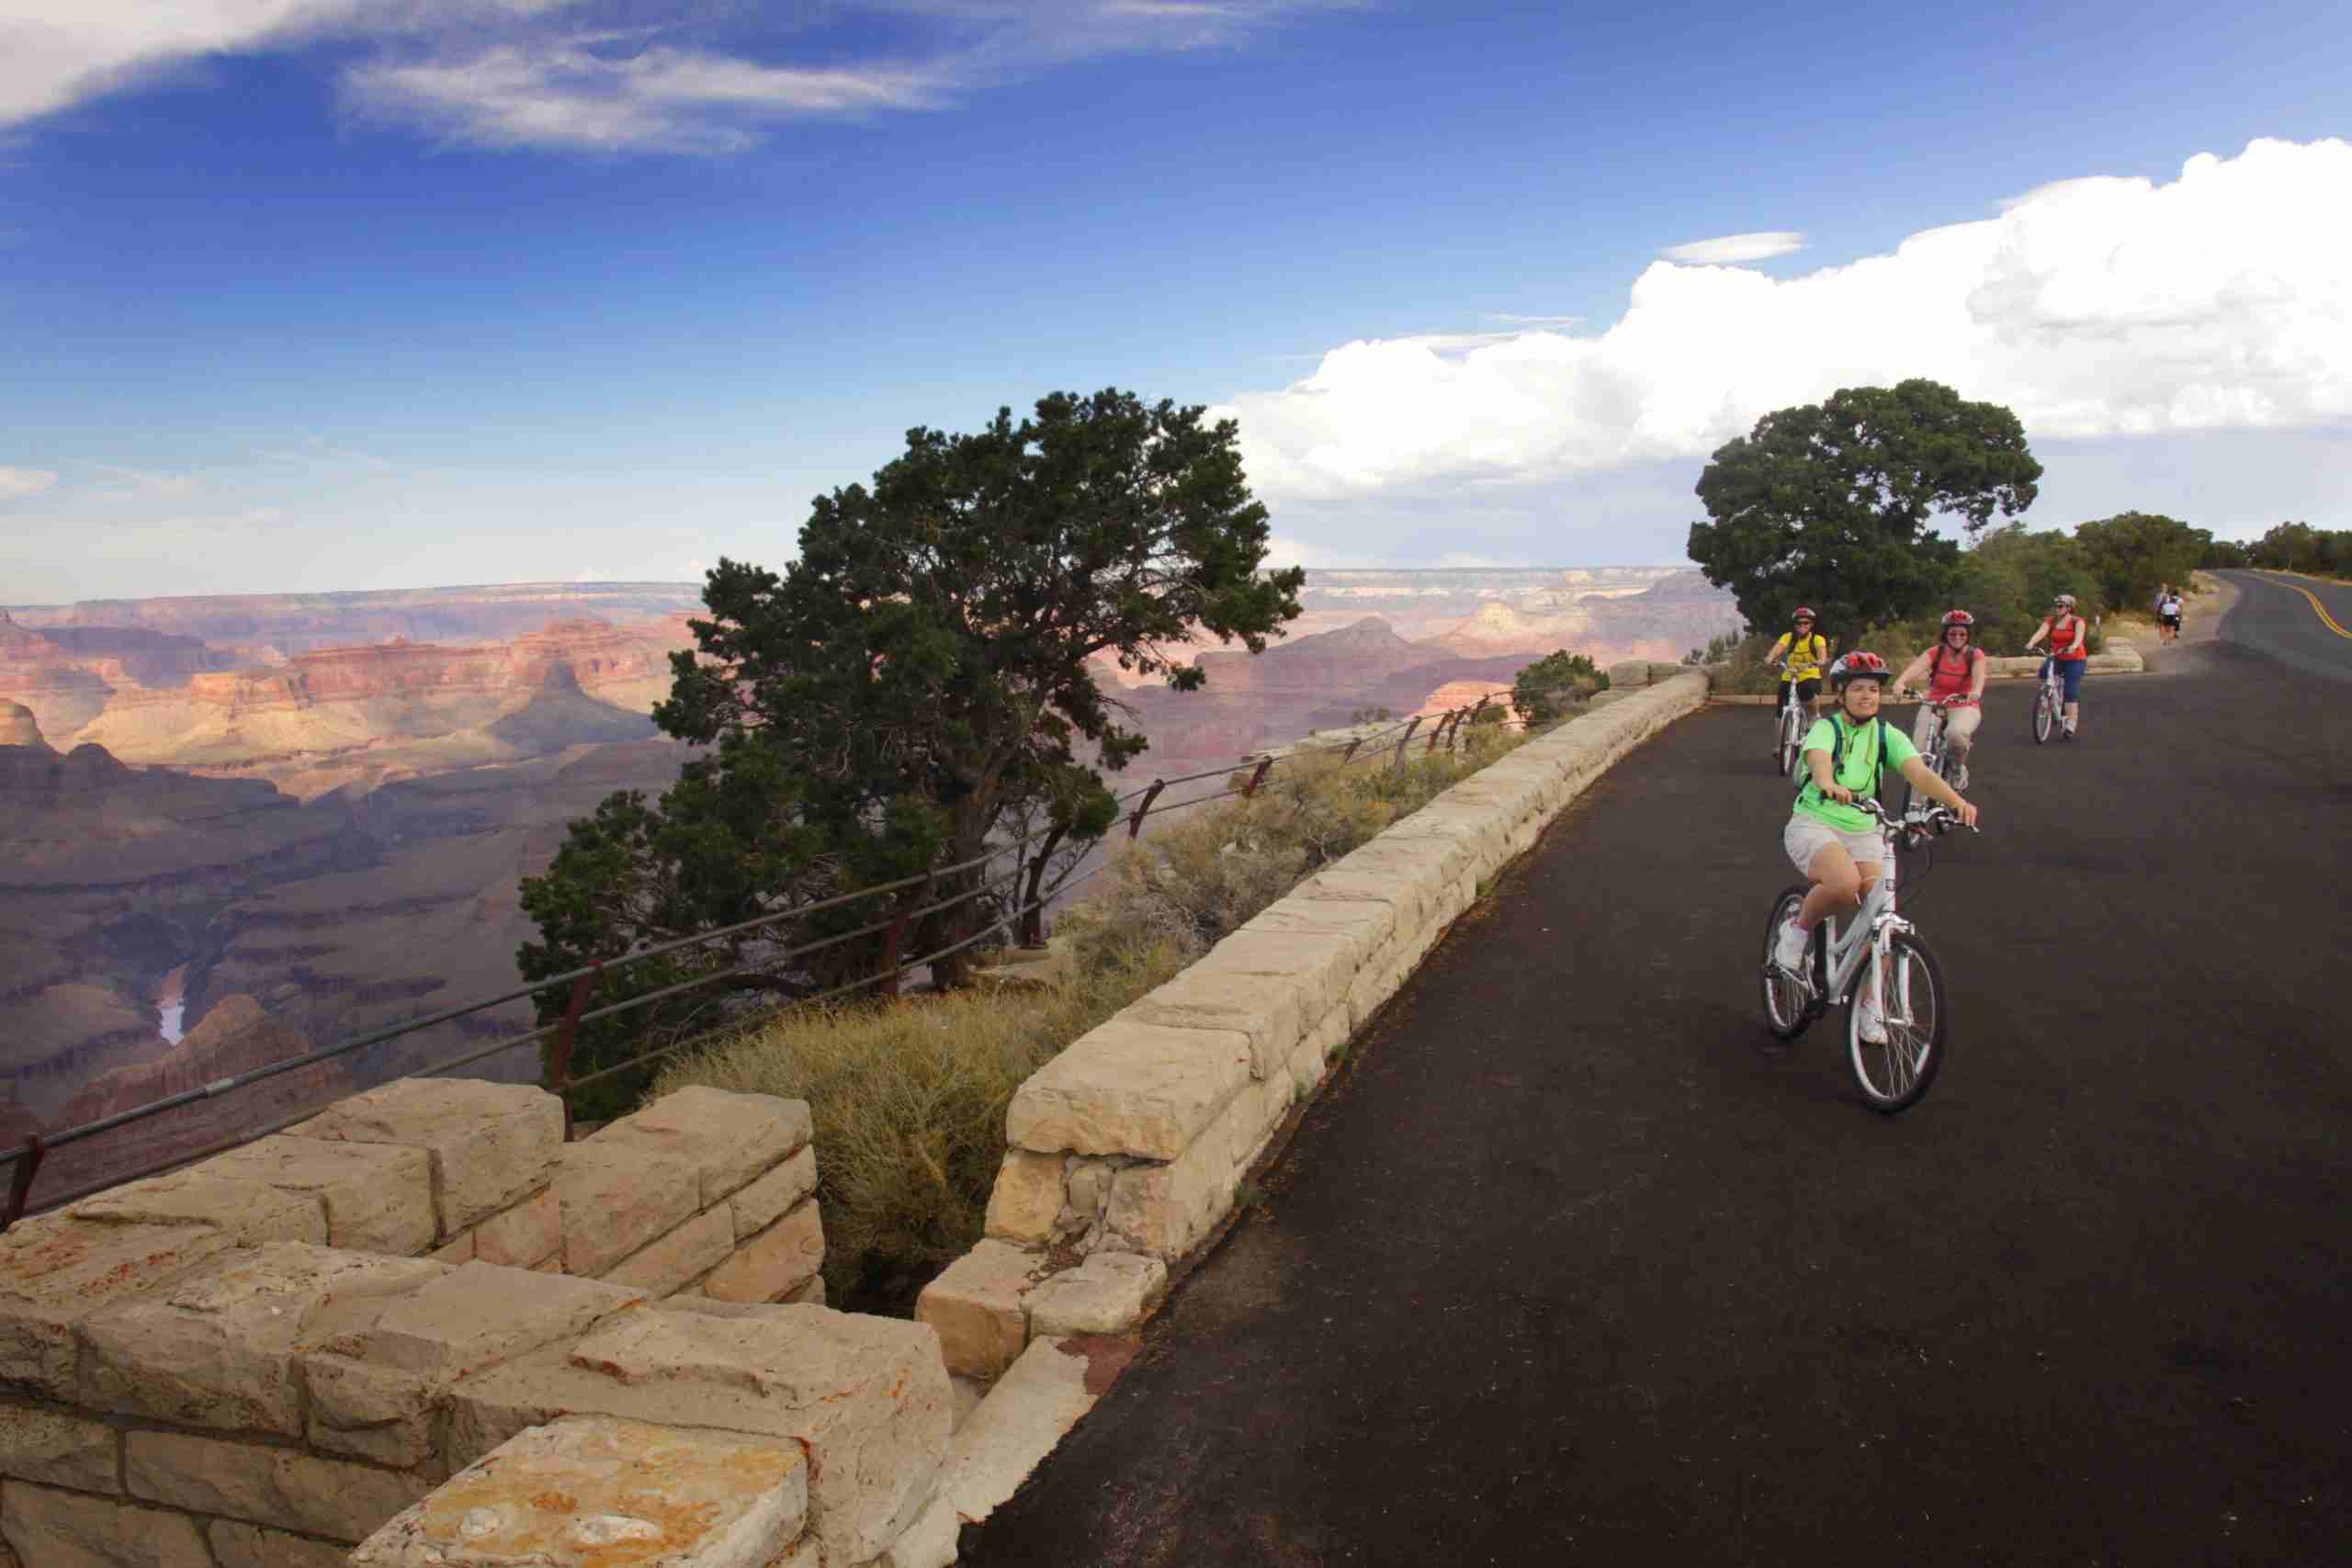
<point>1894,1074</point>
<point>2045,714</point>
<point>1786,996</point>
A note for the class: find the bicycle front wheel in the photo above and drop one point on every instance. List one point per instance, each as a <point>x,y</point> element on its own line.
<point>2045,714</point>
<point>1784,994</point>
<point>1894,1073</point>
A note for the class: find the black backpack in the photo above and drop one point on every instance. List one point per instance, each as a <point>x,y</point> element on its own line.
<point>1838,757</point>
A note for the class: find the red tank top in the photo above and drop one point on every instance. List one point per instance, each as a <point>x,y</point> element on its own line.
<point>2066,638</point>
<point>1945,682</point>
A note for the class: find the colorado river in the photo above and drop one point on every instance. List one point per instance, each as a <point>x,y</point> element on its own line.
<point>174,1003</point>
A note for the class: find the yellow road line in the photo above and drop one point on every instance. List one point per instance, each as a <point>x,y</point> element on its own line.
<point>2324,615</point>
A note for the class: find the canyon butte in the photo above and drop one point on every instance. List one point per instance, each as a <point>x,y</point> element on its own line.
<point>302,816</point>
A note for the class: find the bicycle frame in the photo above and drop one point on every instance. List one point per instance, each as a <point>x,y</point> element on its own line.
<point>1867,930</point>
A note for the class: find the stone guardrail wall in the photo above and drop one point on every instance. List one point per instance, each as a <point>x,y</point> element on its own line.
<point>1126,1148</point>
<point>364,1327</point>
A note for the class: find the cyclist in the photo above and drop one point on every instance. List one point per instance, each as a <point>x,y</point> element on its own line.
<point>1954,671</point>
<point>1832,842</point>
<point>2168,613</point>
<point>2069,646</point>
<point>1804,651</point>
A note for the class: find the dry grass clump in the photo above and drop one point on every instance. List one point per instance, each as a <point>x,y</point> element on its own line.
<point>909,1096</point>
<point>908,1100</point>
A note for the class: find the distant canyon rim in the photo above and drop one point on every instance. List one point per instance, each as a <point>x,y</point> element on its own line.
<point>314,810</point>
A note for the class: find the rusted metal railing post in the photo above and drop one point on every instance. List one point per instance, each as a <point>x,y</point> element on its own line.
<point>1479,709</point>
<point>21,1182</point>
<point>1350,755</point>
<point>1135,823</point>
<point>893,945</point>
<point>1445,724</point>
<point>1404,740</point>
<point>567,1035</point>
<point>1257,777</point>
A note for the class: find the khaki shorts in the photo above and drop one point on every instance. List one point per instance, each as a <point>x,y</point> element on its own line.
<point>1806,837</point>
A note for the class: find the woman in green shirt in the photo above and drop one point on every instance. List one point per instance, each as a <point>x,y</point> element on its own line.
<point>1832,842</point>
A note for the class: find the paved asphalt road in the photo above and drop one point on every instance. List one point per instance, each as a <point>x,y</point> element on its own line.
<point>2273,616</point>
<point>1566,1266</point>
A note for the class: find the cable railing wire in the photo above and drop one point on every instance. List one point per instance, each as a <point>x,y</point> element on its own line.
<point>1359,749</point>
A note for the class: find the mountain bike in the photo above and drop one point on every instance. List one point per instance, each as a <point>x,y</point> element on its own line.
<point>1793,724</point>
<point>1937,754</point>
<point>1893,1074</point>
<point>2049,703</point>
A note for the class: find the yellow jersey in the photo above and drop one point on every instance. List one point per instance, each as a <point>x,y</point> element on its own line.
<point>1805,659</point>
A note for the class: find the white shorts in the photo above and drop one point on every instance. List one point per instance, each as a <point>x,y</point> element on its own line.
<point>1806,837</point>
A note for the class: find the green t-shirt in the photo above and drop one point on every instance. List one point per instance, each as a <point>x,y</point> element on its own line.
<point>1861,762</point>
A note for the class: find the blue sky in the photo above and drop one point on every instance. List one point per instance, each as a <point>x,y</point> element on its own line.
<point>320,293</point>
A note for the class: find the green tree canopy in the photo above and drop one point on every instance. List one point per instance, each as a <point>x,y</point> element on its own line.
<point>2134,553</point>
<point>909,688</point>
<point>1545,690</point>
<point>1830,504</point>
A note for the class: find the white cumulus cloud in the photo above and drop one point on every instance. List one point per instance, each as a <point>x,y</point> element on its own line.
<point>15,483</point>
<point>1729,248</point>
<point>2102,307</point>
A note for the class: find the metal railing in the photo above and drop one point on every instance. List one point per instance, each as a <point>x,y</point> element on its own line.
<point>1393,742</point>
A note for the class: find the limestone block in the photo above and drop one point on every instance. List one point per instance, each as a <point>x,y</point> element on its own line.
<point>489,1143</point>
<point>765,1200</point>
<point>1105,1295</point>
<point>977,1307</point>
<point>1614,694</point>
<point>372,1385</point>
<point>728,1138</point>
<point>1165,1209</point>
<point>594,1492</point>
<point>251,1212</point>
<point>968,1392</point>
<point>1375,983</point>
<point>617,1196</point>
<point>1269,1013</point>
<point>1025,1205</point>
<point>1438,841</point>
<point>929,1543</point>
<point>867,1396</point>
<point>1422,865</point>
<point>529,1233</point>
<point>669,1264</point>
<point>1134,1085</point>
<point>1319,963</point>
<point>810,1295</point>
<point>284,1487</point>
<point>56,1272</point>
<point>217,1349</point>
<point>57,1448</point>
<point>378,1197</point>
<point>1484,826</point>
<point>250,1546</point>
<point>1311,1063</point>
<point>65,1529</point>
<point>460,1250</point>
<point>773,1263</point>
<point>1508,800</point>
<point>1089,1185</point>
<point>1629,675</point>
<point>1029,1411</point>
<point>1407,902</point>
<point>1366,923</point>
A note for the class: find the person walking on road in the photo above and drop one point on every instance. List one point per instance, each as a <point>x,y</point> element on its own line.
<point>1834,845</point>
<point>1804,651</point>
<point>2169,615</point>
<point>1954,671</point>
<point>2069,647</point>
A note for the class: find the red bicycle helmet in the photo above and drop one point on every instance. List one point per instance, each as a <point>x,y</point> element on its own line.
<point>1958,618</point>
<point>1860,665</point>
<point>1804,614</point>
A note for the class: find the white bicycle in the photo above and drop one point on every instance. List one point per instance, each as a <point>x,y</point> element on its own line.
<point>1894,1073</point>
<point>1793,722</point>
<point>1936,754</point>
<point>2049,703</point>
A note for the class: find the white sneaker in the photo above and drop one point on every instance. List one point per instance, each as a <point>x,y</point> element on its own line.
<point>1874,1023</point>
<point>1960,776</point>
<point>1789,951</point>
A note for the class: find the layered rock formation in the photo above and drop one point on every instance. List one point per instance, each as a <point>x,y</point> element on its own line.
<point>298,623</point>
<point>61,692</point>
<point>235,1036</point>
